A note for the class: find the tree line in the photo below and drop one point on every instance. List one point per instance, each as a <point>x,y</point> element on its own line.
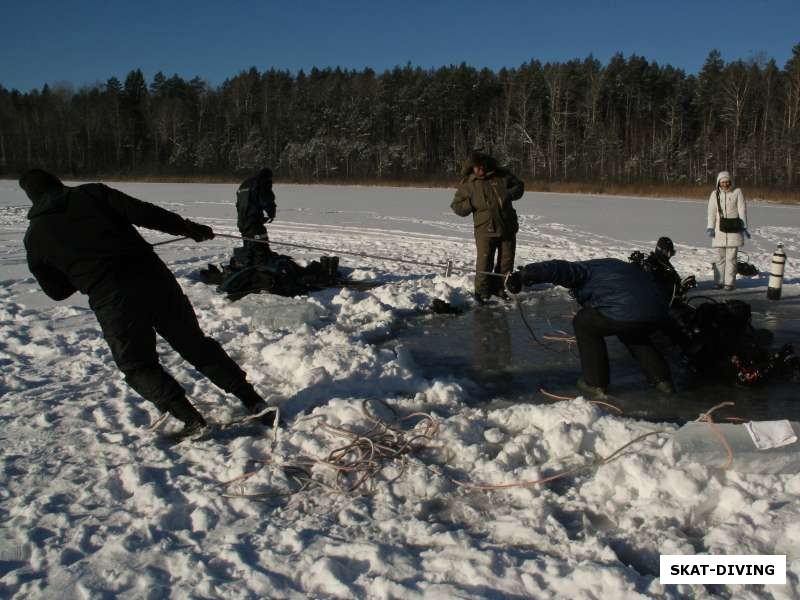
<point>628,121</point>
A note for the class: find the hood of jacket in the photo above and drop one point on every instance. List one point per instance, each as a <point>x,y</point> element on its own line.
<point>49,202</point>
<point>488,163</point>
<point>724,175</point>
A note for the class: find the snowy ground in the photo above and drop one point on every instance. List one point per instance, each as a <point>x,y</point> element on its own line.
<point>94,506</point>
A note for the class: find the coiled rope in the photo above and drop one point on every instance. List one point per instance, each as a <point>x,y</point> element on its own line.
<point>358,463</point>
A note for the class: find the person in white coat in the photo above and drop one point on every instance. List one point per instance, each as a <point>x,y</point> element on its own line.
<point>725,202</point>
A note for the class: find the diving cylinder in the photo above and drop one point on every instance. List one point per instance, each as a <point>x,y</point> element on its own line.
<point>776,273</point>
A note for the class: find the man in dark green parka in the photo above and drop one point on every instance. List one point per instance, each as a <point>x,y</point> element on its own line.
<point>487,192</point>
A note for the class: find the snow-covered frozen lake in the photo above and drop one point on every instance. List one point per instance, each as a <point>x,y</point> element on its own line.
<point>93,505</point>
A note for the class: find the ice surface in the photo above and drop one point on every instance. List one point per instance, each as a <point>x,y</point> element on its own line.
<point>491,348</point>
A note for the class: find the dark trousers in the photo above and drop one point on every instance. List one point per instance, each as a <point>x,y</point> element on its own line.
<point>132,308</point>
<point>256,252</point>
<point>591,328</point>
<point>487,247</point>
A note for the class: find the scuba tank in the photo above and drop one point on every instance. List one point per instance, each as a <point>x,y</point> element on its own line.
<point>776,273</point>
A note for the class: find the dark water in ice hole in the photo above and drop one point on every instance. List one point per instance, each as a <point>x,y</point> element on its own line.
<point>491,349</point>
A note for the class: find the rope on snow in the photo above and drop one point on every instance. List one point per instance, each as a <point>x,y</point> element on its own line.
<point>358,463</point>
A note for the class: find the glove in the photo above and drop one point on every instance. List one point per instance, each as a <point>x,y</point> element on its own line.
<point>710,232</point>
<point>198,232</point>
<point>513,282</point>
<point>747,233</point>
<point>688,283</point>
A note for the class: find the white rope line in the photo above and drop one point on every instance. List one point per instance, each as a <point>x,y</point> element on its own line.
<point>329,250</point>
<point>447,267</point>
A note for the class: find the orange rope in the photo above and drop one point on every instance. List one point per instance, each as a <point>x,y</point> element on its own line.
<point>559,338</point>
<point>560,475</point>
<point>607,405</point>
<point>363,458</point>
<point>544,392</point>
<point>706,418</point>
<point>366,456</point>
<point>552,396</point>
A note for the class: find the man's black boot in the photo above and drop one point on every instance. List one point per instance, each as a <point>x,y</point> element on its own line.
<point>193,421</point>
<point>594,392</point>
<point>254,403</point>
<point>481,298</point>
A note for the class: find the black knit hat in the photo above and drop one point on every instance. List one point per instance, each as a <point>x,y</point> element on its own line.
<point>36,182</point>
<point>666,247</point>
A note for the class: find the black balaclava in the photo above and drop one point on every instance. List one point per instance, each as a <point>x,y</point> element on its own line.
<point>37,183</point>
<point>264,180</point>
<point>665,247</point>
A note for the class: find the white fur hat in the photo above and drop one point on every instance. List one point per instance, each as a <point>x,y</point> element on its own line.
<point>722,176</point>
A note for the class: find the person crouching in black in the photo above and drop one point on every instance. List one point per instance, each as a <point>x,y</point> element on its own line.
<point>659,266</point>
<point>616,298</point>
<point>83,239</point>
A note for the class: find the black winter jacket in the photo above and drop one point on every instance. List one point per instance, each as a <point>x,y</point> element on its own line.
<point>80,238</point>
<point>618,290</point>
<point>253,199</point>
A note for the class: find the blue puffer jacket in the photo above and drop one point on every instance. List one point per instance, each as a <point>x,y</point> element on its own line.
<point>617,289</point>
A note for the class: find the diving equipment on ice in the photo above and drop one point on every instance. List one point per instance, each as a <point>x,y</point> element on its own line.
<point>275,274</point>
<point>719,338</point>
<point>716,338</point>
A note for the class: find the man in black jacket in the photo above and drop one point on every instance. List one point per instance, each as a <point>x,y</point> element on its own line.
<point>255,206</point>
<point>83,239</point>
<point>616,298</point>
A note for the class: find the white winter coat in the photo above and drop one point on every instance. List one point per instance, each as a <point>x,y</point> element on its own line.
<point>733,205</point>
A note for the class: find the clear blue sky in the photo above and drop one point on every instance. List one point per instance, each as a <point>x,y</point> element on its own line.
<point>47,41</point>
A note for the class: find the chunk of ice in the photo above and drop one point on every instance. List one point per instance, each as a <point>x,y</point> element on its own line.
<point>697,442</point>
<point>269,311</point>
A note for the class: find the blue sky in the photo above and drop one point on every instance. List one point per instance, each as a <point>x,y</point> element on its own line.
<point>46,41</point>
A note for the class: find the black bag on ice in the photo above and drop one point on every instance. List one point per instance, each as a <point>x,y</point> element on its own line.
<point>731,225</point>
<point>745,268</point>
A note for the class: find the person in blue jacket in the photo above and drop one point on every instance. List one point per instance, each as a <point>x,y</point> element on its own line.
<point>255,206</point>
<point>616,298</point>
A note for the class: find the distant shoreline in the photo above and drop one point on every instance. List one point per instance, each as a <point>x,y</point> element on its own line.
<point>615,189</point>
